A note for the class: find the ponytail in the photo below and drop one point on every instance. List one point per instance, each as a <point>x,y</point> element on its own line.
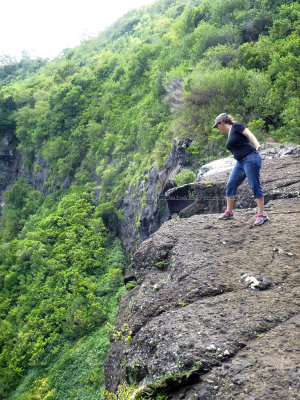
<point>228,120</point>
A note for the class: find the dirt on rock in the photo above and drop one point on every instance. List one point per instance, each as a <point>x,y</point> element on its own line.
<point>215,310</point>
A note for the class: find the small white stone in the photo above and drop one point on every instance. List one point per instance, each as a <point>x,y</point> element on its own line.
<point>212,347</point>
<point>252,282</point>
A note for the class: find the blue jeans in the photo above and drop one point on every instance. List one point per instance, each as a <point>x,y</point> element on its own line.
<point>248,167</point>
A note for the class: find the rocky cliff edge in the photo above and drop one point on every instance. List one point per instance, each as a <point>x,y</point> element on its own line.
<point>215,310</point>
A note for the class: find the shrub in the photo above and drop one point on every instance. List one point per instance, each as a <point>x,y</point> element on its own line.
<point>131,285</point>
<point>184,177</point>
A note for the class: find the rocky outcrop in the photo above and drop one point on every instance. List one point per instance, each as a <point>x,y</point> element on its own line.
<point>280,176</point>
<point>12,167</point>
<point>9,164</point>
<point>174,98</point>
<point>145,207</point>
<point>215,310</point>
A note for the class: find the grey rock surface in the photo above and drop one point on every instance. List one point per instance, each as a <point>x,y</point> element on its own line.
<point>173,98</point>
<point>274,150</point>
<point>12,167</point>
<point>9,164</point>
<point>215,313</point>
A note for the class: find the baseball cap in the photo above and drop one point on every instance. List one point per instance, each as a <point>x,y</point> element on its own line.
<point>219,119</point>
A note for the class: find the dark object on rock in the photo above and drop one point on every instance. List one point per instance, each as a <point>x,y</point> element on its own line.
<point>180,197</point>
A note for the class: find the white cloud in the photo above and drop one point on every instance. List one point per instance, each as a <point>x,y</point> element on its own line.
<point>46,27</point>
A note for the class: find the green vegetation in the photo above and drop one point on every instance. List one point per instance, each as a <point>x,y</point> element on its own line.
<point>207,183</point>
<point>170,378</point>
<point>103,106</point>
<point>156,390</point>
<point>97,118</point>
<point>184,177</point>
<point>60,284</point>
<point>124,334</point>
<point>131,285</point>
<point>12,70</point>
<point>131,392</point>
<point>125,392</point>
<point>161,264</point>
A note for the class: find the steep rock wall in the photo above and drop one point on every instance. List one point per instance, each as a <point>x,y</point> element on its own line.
<point>215,311</point>
<point>9,164</point>
<point>145,207</point>
<point>12,166</point>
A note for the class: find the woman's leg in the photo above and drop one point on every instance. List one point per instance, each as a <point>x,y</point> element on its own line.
<point>230,203</point>
<point>260,204</point>
<point>236,178</point>
<point>252,166</point>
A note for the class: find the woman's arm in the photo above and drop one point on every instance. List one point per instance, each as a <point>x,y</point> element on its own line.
<point>251,137</point>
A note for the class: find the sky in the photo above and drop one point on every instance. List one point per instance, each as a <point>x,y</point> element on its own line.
<point>45,27</point>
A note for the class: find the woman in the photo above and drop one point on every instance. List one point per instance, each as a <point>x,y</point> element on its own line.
<point>248,164</point>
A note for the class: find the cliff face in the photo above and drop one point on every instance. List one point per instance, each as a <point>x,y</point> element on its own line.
<point>215,311</point>
<point>145,207</point>
<point>9,164</point>
<point>12,167</point>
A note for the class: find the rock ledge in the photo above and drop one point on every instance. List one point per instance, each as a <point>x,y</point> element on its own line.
<point>215,312</point>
